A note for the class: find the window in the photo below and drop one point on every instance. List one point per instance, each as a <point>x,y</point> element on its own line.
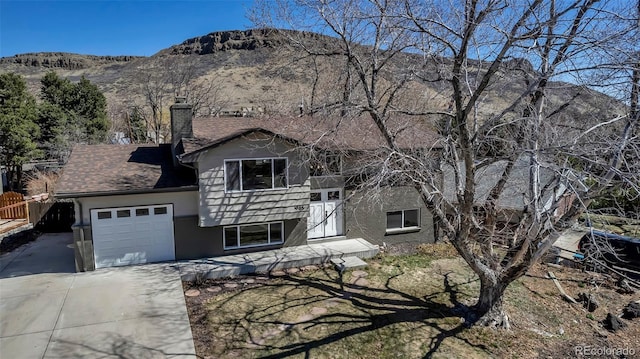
<point>253,235</point>
<point>255,174</point>
<point>159,210</point>
<point>325,165</point>
<point>333,195</point>
<point>104,215</point>
<point>123,213</point>
<point>142,212</point>
<point>409,218</point>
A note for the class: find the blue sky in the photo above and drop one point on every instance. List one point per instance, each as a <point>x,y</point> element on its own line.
<point>133,27</point>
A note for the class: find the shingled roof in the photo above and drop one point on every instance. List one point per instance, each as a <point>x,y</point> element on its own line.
<point>109,169</point>
<point>358,133</point>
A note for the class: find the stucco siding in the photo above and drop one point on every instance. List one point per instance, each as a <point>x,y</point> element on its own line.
<point>217,207</point>
<point>327,182</point>
<point>366,217</point>
<point>193,242</point>
<point>184,203</point>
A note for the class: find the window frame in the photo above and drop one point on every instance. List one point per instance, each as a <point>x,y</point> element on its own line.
<point>403,229</point>
<point>270,242</point>
<point>240,172</point>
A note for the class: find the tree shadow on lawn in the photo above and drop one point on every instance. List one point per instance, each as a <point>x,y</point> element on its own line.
<point>369,308</point>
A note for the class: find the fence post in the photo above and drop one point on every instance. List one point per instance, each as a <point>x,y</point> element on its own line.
<point>26,210</point>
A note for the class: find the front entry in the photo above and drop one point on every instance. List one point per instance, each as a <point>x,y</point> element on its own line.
<point>325,213</point>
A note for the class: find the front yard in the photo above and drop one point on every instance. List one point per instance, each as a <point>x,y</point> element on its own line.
<point>398,307</point>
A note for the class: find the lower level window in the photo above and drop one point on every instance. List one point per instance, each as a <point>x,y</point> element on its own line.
<point>408,218</point>
<point>252,235</point>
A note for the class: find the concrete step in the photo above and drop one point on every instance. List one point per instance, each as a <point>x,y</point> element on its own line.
<point>326,239</point>
<point>350,262</point>
<point>278,259</point>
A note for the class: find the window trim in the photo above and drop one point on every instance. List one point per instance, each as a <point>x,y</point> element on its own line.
<point>237,227</point>
<point>226,190</point>
<point>403,229</point>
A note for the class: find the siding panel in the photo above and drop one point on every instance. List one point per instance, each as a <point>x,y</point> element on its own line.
<point>218,208</point>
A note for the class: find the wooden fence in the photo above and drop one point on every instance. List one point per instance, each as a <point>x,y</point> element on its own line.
<point>13,206</point>
<point>57,217</point>
<point>45,215</point>
<point>37,210</point>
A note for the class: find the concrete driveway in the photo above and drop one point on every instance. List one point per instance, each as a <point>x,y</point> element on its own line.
<point>49,311</point>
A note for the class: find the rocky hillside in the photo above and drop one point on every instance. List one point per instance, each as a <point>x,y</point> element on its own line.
<point>259,69</point>
<point>230,40</point>
<point>63,60</point>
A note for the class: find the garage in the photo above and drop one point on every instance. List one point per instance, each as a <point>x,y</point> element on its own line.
<point>132,235</point>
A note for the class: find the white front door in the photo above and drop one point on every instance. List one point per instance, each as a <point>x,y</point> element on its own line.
<point>325,213</point>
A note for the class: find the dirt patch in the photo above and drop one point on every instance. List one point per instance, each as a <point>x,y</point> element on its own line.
<point>405,308</point>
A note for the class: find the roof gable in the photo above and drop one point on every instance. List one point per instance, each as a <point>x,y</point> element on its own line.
<point>197,146</point>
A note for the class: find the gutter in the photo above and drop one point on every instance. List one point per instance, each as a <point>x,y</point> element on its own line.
<point>66,195</point>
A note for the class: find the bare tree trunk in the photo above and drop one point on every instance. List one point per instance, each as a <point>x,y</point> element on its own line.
<point>489,306</point>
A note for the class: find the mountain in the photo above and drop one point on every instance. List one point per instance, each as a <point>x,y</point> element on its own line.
<point>260,69</point>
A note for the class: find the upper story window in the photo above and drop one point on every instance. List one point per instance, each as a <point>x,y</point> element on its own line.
<point>325,165</point>
<point>255,174</point>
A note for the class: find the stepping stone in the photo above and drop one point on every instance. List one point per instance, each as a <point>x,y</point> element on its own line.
<point>310,268</point>
<point>278,273</point>
<point>248,281</point>
<point>318,310</point>
<point>345,263</point>
<point>192,293</point>
<point>360,282</point>
<point>231,285</point>
<point>293,270</point>
<point>359,273</point>
<point>255,344</point>
<point>304,318</point>
<point>214,289</point>
<point>333,302</point>
<point>271,333</point>
<point>262,278</point>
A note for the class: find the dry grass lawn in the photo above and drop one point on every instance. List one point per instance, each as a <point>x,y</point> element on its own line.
<point>398,307</point>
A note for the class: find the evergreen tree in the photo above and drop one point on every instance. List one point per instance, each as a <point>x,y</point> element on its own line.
<point>18,130</point>
<point>91,109</point>
<point>53,120</point>
<point>136,126</point>
<point>71,113</point>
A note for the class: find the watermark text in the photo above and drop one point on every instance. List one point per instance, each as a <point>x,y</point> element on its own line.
<point>597,351</point>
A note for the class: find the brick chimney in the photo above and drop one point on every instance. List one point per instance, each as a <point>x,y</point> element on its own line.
<point>181,126</point>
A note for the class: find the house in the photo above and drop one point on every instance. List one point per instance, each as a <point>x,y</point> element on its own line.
<point>231,185</point>
<point>514,199</point>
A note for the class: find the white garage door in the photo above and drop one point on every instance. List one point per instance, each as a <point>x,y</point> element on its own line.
<point>132,235</point>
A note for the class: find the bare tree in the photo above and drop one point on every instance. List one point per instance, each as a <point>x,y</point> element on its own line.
<point>176,75</point>
<point>202,92</point>
<point>525,142</point>
<point>155,88</point>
